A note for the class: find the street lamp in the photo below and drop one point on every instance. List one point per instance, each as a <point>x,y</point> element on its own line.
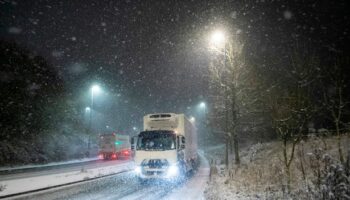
<point>94,90</point>
<point>217,43</point>
<point>202,105</point>
<point>218,38</point>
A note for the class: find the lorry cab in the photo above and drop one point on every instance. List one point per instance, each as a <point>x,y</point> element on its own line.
<point>160,150</point>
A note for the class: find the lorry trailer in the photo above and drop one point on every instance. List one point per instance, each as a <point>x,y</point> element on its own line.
<point>114,146</point>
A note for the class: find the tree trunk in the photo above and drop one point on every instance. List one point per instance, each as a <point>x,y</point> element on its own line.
<point>340,149</point>
<point>347,164</point>
<point>302,159</point>
<point>286,164</point>
<point>226,153</point>
<point>288,178</point>
<point>236,148</point>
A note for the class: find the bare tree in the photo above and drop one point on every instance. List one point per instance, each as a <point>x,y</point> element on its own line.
<point>333,99</point>
<point>226,69</point>
<point>290,104</point>
<point>289,117</point>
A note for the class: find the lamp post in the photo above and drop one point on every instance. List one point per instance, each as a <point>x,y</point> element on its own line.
<point>94,89</point>
<point>203,106</point>
<point>203,122</point>
<point>218,41</point>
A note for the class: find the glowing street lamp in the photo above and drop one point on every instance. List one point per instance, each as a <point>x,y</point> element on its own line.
<point>217,42</point>
<point>218,37</point>
<point>220,43</point>
<point>95,89</point>
<point>203,106</point>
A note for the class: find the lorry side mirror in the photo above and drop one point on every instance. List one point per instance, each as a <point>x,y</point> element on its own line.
<point>177,142</point>
<point>133,143</point>
<point>183,141</point>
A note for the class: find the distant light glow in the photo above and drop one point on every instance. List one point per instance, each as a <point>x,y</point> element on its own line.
<point>87,109</point>
<point>192,119</point>
<point>134,128</point>
<point>202,105</point>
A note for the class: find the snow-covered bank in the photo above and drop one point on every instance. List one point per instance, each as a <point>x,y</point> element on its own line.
<point>45,181</point>
<point>316,173</point>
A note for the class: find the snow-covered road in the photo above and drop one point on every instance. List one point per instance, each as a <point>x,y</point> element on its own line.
<point>123,186</point>
<point>24,182</point>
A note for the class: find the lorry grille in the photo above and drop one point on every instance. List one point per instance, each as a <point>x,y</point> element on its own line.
<point>156,163</point>
<point>151,173</point>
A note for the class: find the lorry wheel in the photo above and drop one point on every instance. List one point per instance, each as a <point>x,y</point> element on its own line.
<point>142,181</point>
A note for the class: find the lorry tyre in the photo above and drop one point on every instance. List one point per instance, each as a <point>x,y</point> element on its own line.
<point>142,181</point>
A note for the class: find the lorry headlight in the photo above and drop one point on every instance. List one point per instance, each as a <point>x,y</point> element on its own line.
<point>173,170</point>
<point>138,170</point>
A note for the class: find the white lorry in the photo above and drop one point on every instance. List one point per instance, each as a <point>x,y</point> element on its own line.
<point>114,146</point>
<point>167,148</point>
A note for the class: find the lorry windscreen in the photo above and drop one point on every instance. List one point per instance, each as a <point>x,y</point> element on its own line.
<point>156,140</point>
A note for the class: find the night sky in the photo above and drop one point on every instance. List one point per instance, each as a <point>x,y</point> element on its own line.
<point>153,54</point>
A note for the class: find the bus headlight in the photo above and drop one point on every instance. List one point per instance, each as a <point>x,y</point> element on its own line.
<point>138,170</point>
<point>173,170</point>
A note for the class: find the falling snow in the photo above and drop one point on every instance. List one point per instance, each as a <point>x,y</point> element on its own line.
<point>287,14</point>
<point>158,56</point>
<point>14,30</point>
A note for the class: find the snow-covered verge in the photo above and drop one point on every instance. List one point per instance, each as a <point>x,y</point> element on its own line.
<point>16,186</point>
<point>316,173</point>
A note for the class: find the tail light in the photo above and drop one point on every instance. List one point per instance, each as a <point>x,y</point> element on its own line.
<point>114,156</point>
<point>100,156</point>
